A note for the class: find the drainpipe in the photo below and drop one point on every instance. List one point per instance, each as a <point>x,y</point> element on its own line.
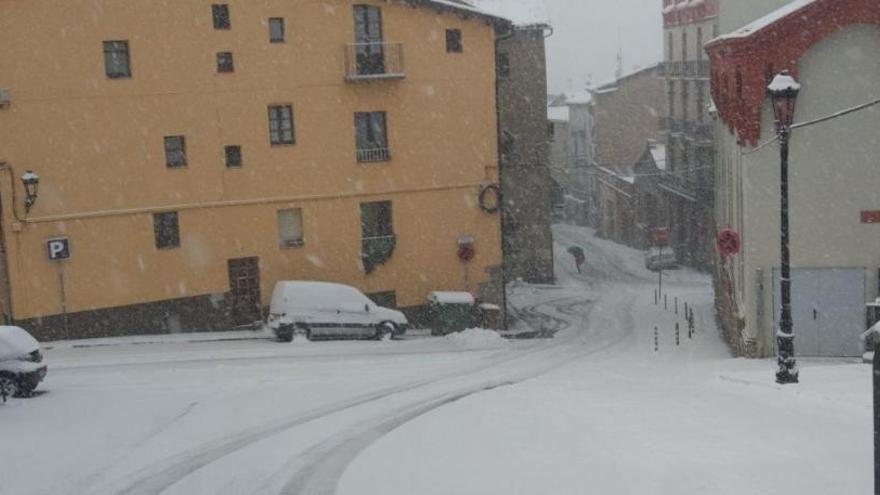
<point>5,267</point>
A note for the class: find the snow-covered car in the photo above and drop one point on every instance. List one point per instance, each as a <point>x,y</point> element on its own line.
<point>21,362</point>
<point>660,260</point>
<point>326,310</point>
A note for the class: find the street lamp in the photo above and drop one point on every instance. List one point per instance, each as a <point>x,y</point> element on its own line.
<point>30,181</point>
<point>783,91</point>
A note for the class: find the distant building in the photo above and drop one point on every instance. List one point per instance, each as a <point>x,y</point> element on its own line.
<point>572,152</point>
<point>626,118</point>
<point>830,46</point>
<point>524,144</point>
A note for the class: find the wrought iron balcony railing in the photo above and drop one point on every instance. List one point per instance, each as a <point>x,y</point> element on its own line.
<point>371,61</point>
<point>373,155</point>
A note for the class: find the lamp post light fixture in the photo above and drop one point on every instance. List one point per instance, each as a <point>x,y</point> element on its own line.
<point>783,92</point>
<point>30,181</point>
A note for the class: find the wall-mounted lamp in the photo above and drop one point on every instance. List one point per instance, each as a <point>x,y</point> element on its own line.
<point>30,180</point>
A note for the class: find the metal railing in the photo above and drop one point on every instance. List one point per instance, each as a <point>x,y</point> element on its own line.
<point>373,155</point>
<point>370,61</point>
<point>692,69</point>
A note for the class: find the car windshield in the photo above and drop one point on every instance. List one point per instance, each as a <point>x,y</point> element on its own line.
<point>440,247</point>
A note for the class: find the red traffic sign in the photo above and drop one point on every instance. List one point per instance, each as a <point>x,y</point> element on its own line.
<point>661,237</point>
<point>728,242</point>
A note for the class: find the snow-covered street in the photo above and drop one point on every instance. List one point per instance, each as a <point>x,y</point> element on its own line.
<point>593,410</point>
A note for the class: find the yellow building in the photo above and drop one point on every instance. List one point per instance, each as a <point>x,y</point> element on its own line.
<point>192,154</point>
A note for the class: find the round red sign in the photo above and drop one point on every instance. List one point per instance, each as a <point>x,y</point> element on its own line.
<point>728,242</point>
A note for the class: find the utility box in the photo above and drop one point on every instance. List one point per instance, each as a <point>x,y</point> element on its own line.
<point>450,312</point>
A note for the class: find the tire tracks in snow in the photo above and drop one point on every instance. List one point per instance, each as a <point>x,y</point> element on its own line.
<point>326,462</point>
<point>158,477</point>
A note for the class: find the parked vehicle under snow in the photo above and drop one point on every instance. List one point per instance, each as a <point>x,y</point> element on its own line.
<point>327,310</point>
<point>21,363</point>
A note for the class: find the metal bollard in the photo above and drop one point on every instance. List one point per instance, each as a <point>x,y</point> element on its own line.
<point>656,340</point>
<point>665,301</point>
<point>676,304</point>
<point>686,308</point>
<point>876,380</point>
<point>677,340</point>
<point>655,297</point>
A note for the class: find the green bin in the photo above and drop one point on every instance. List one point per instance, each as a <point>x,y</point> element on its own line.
<point>450,312</point>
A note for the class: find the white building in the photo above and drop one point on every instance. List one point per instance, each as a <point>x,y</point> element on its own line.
<point>831,47</point>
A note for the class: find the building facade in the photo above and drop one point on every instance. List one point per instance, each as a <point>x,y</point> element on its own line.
<point>524,144</point>
<point>690,147</point>
<point>833,177</point>
<point>626,118</point>
<point>572,150</point>
<point>194,156</point>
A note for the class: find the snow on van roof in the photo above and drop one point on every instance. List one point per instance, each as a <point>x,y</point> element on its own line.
<point>445,297</point>
<point>309,294</point>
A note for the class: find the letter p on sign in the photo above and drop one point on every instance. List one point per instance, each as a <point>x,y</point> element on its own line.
<point>58,249</point>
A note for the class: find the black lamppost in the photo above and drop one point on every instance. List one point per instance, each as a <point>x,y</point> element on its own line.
<point>783,91</point>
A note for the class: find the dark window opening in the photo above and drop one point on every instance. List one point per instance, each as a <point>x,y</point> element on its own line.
<point>377,234</point>
<point>117,63</point>
<point>369,46</point>
<point>503,65</point>
<point>371,134</point>
<point>224,62</point>
<point>233,156</point>
<point>453,41</point>
<point>739,82</point>
<point>276,30</point>
<point>220,12</point>
<point>387,299</point>
<point>281,124</point>
<point>166,230</point>
<point>175,151</point>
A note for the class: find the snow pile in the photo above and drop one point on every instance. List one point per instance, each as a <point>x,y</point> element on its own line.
<point>478,338</point>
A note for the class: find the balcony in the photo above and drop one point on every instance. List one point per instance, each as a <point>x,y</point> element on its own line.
<point>377,250</point>
<point>373,61</point>
<point>691,69</point>
<point>373,155</point>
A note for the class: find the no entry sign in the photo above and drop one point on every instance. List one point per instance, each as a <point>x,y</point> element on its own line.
<point>728,242</point>
<point>661,237</point>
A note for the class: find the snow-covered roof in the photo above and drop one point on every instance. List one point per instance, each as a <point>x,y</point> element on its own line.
<point>578,98</point>
<point>658,152</point>
<point>520,12</point>
<point>767,20</point>
<point>463,5</point>
<point>558,113</point>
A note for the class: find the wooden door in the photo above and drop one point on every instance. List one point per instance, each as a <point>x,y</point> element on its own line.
<point>244,285</point>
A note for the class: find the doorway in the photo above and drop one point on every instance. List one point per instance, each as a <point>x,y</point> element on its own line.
<point>244,285</point>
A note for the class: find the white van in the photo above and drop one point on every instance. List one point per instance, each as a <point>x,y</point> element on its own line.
<point>325,310</point>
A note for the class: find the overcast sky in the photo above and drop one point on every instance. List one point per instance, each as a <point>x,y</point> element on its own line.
<point>584,42</point>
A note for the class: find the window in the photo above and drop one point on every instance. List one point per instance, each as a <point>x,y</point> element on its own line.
<point>377,232</point>
<point>551,131</point>
<point>386,299</point>
<point>166,230</point>
<point>290,228</point>
<point>117,64</point>
<point>453,41</point>
<point>276,30</point>
<point>670,46</point>
<point>224,62</point>
<point>684,46</point>
<point>369,46</point>
<point>175,151</point>
<point>281,124</point>
<point>502,65</point>
<point>507,142</point>
<point>685,99</point>
<point>220,12</point>
<point>371,133</point>
<point>699,43</point>
<point>233,156</point>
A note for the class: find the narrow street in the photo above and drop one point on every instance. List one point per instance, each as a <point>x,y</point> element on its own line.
<point>592,410</point>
